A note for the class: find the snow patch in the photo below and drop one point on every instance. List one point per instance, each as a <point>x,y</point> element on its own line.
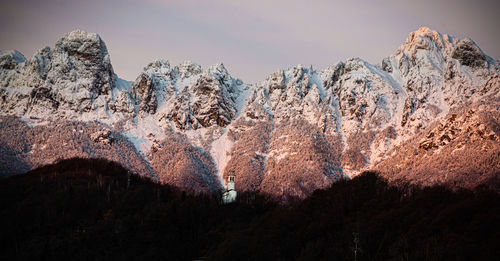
<point>143,133</point>
<point>221,153</point>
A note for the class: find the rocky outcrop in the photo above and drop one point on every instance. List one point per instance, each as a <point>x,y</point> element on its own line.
<point>209,101</point>
<point>154,84</point>
<point>73,78</point>
<point>82,57</point>
<point>102,136</point>
<point>189,97</point>
<point>461,150</point>
<point>9,60</point>
<point>297,130</point>
<point>469,54</point>
<point>437,72</point>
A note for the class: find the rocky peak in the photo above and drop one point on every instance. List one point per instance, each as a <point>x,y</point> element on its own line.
<point>187,69</point>
<point>213,99</point>
<point>276,81</point>
<point>361,110</point>
<point>469,54</point>
<point>10,59</point>
<point>82,56</point>
<point>436,72</point>
<point>220,73</point>
<point>426,39</point>
<point>151,85</point>
<point>10,63</point>
<point>193,98</point>
<point>426,46</point>
<point>287,90</point>
<point>203,98</point>
<point>332,74</point>
<point>74,77</point>
<point>367,96</point>
<point>293,94</point>
<point>160,67</point>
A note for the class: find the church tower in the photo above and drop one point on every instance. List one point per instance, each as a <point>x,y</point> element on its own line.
<point>230,194</point>
<point>230,181</point>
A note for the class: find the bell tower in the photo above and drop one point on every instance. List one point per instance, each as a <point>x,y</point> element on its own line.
<point>230,181</point>
<point>230,194</point>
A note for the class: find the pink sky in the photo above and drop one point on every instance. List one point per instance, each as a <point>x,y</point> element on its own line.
<point>252,38</point>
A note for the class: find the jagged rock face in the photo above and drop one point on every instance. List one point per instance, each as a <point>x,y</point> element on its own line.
<point>288,92</point>
<point>368,96</point>
<point>469,54</point>
<point>82,55</point>
<point>213,102</point>
<point>437,72</point>
<point>190,98</point>
<point>11,63</point>
<point>10,59</point>
<point>332,74</point>
<point>460,150</point>
<point>296,93</point>
<point>143,91</point>
<point>155,86</point>
<point>74,77</point>
<point>491,87</point>
<point>297,130</point>
<point>187,70</point>
<point>209,101</point>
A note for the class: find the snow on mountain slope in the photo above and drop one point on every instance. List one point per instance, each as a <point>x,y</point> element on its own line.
<point>74,80</point>
<point>297,130</point>
<point>220,152</point>
<point>23,147</point>
<point>462,150</point>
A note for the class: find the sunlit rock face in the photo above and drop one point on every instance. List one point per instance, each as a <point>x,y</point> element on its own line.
<point>178,163</point>
<point>210,100</point>
<point>461,150</point>
<point>439,72</point>
<point>25,146</point>
<point>191,98</point>
<point>72,80</point>
<point>297,130</point>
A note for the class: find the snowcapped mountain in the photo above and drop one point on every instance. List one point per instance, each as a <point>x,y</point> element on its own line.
<point>298,130</point>
<point>460,150</point>
<point>74,80</point>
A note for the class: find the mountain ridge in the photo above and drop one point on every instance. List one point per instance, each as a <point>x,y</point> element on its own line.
<point>352,112</point>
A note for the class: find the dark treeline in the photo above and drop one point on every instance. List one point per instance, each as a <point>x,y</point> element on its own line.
<point>93,209</point>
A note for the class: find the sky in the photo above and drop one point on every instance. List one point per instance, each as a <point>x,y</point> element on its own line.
<point>252,38</point>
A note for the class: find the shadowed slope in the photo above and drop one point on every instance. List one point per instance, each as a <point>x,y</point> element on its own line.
<point>92,209</point>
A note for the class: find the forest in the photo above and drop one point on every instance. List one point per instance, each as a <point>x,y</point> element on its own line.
<point>95,209</point>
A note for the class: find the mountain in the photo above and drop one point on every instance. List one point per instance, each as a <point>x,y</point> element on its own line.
<point>460,150</point>
<point>25,146</point>
<point>298,130</point>
<point>74,80</point>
